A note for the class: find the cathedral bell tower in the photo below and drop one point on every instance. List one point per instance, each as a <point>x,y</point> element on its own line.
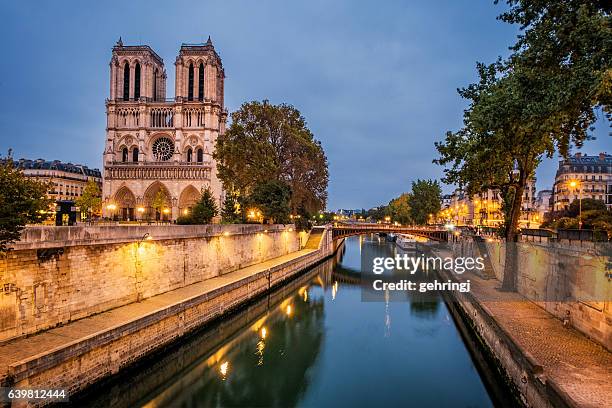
<point>158,152</point>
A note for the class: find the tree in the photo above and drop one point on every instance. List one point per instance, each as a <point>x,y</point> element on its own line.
<point>272,142</point>
<point>272,198</point>
<point>540,100</point>
<point>205,209</point>
<point>587,204</point>
<point>91,199</point>
<point>231,211</point>
<point>22,201</point>
<point>425,200</point>
<point>160,202</point>
<point>399,209</point>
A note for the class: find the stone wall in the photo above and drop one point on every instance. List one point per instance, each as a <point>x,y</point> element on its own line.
<point>568,280</point>
<point>56,275</point>
<point>78,364</point>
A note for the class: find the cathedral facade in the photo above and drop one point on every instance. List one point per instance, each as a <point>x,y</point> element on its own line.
<point>158,151</point>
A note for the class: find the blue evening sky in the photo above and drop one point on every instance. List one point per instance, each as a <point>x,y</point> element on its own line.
<point>376,80</point>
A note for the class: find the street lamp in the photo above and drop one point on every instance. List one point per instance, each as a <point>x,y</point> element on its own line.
<point>111,207</point>
<point>576,184</point>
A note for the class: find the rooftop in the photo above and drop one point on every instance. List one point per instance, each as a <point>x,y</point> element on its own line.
<point>41,164</point>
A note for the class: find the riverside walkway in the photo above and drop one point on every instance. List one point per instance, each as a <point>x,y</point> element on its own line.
<point>579,369</point>
<point>26,356</point>
<point>578,366</point>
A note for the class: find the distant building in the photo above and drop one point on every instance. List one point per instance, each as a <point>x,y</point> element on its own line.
<point>583,175</point>
<point>67,180</point>
<point>485,209</point>
<point>349,212</point>
<point>543,202</point>
<point>445,201</point>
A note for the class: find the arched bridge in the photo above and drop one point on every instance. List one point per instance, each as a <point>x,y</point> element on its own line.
<point>341,230</point>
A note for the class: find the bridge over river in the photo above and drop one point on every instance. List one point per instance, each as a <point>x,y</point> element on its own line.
<point>341,230</point>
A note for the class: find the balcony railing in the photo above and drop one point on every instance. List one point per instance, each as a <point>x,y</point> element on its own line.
<point>169,163</point>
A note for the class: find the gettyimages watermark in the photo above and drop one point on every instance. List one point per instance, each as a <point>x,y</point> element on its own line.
<point>394,277</point>
<point>550,273</point>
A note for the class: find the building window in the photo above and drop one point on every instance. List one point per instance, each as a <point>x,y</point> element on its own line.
<point>155,84</point>
<point>124,155</point>
<point>200,155</point>
<point>135,154</point>
<point>190,84</point>
<point>126,82</point>
<point>201,82</point>
<point>137,81</point>
<point>163,149</point>
<point>189,155</point>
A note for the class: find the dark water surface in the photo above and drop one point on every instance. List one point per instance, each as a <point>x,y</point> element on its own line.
<point>313,343</point>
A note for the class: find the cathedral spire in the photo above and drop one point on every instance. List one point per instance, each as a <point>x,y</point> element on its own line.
<point>209,42</point>
<point>119,42</point>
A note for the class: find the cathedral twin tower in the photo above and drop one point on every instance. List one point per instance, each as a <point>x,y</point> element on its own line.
<point>158,151</point>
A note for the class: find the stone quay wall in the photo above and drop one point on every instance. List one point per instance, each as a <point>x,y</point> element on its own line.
<point>571,281</point>
<point>55,275</point>
<point>77,365</point>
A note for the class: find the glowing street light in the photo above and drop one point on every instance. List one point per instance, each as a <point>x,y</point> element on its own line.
<point>576,184</point>
<point>224,368</point>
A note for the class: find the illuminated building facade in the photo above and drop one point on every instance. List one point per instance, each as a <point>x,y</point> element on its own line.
<point>158,151</point>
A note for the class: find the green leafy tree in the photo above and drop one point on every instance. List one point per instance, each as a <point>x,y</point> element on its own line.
<point>160,202</point>
<point>540,100</point>
<point>399,209</point>
<point>231,211</point>
<point>272,142</point>
<point>424,200</point>
<point>205,209</point>
<point>272,198</point>
<point>90,202</point>
<point>22,201</point>
<point>587,204</point>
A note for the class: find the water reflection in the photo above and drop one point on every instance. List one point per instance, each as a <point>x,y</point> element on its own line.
<point>313,342</point>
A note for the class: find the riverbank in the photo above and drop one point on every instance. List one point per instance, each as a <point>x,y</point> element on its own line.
<point>546,364</point>
<point>87,350</point>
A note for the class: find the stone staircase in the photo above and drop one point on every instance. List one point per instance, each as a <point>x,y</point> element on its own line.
<point>314,239</point>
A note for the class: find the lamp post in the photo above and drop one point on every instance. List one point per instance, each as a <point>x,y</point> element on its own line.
<point>576,184</point>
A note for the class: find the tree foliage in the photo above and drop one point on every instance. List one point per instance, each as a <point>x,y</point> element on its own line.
<point>160,201</point>
<point>399,209</point>
<point>424,200</point>
<point>90,202</point>
<point>231,213</point>
<point>272,142</point>
<point>205,209</point>
<point>540,100</point>
<point>272,199</point>
<point>22,201</point>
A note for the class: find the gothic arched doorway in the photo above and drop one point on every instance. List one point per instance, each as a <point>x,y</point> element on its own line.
<point>125,202</point>
<point>157,202</point>
<point>189,197</point>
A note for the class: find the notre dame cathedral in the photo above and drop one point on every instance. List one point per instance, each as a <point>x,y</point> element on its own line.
<point>158,151</point>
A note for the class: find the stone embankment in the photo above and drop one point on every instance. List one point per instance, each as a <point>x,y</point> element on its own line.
<point>546,363</point>
<point>109,336</point>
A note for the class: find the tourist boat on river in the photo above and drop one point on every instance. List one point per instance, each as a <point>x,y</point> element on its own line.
<point>406,242</point>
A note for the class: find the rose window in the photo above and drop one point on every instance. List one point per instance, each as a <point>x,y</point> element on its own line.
<point>163,148</point>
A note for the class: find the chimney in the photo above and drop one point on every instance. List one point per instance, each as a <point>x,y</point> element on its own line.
<point>602,156</point>
<point>578,155</point>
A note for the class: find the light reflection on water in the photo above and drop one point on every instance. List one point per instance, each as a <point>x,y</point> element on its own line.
<point>315,343</point>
